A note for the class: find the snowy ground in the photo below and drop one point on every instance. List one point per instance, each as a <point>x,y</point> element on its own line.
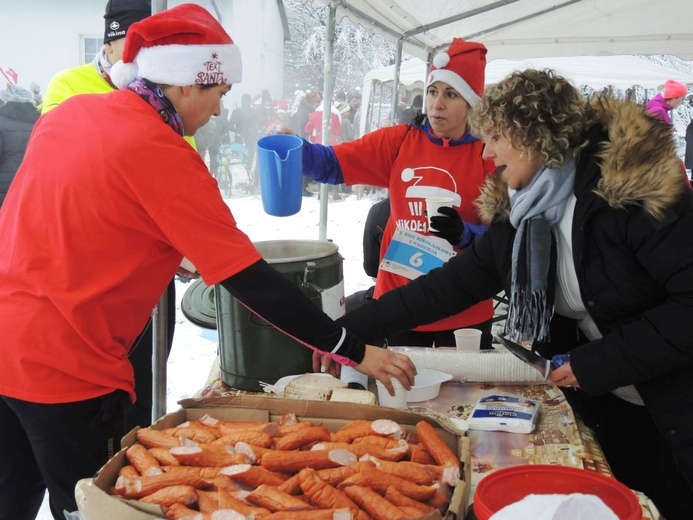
<point>195,348</point>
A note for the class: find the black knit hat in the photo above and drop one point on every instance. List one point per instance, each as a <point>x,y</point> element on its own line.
<point>121,14</point>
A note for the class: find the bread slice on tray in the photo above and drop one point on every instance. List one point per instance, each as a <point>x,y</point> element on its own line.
<point>314,387</point>
<point>352,395</point>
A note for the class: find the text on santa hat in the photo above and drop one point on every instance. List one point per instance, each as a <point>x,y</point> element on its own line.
<point>212,74</point>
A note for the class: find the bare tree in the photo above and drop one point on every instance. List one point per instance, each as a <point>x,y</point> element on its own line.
<point>356,50</point>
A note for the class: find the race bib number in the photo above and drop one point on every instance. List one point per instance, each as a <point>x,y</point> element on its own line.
<point>411,254</point>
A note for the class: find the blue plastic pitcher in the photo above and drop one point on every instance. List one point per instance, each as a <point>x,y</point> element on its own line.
<point>280,163</point>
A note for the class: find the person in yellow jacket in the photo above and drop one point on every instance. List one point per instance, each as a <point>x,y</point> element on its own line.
<point>94,78</point>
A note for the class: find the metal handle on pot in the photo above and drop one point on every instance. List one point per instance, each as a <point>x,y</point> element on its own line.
<point>308,273</point>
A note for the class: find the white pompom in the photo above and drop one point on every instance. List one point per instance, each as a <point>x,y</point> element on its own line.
<point>441,59</point>
<point>122,74</point>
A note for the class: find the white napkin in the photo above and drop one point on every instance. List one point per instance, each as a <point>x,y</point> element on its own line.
<point>577,506</point>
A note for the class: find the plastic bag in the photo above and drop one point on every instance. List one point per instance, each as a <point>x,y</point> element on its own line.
<point>484,366</point>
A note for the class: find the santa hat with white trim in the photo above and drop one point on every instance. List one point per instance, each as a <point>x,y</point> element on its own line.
<point>463,67</point>
<point>182,46</point>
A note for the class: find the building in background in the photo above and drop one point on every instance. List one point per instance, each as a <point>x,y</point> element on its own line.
<point>42,37</point>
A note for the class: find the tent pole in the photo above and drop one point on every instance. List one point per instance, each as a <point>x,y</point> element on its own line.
<point>328,87</point>
<point>160,335</point>
<point>159,5</point>
<point>395,84</point>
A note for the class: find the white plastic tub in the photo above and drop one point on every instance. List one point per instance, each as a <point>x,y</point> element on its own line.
<point>426,385</point>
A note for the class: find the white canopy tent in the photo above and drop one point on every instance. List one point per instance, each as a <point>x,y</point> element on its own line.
<point>513,29</point>
<point>519,29</point>
<point>381,81</point>
<point>598,72</point>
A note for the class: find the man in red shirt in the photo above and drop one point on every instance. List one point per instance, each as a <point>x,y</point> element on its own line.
<point>92,231</point>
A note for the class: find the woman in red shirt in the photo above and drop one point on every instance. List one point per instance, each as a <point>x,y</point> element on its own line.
<point>433,156</point>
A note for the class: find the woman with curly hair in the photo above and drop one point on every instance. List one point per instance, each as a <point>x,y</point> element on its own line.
<point>590,237</point>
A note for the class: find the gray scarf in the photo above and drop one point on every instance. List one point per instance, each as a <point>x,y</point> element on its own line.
<point>533,210</point>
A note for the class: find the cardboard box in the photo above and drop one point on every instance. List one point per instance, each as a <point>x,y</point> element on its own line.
<point>96,504</point>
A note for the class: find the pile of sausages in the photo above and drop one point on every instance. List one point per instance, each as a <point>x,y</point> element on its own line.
<point>290,470</point>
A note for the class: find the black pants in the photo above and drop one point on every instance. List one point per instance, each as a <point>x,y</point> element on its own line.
<point>636,452</point>
<point>52,446</point>
<point>355,300</point>
<point>441,338</point>
<point>141,358</point>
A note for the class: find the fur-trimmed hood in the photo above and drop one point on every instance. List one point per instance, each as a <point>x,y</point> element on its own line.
<point>638,162</point>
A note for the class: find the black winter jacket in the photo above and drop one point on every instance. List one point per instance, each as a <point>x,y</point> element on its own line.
<point>633,254</point>
<point>689,146</point>
<point>16,123</point>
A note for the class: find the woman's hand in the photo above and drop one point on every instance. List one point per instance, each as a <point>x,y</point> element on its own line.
<point>378,363</point>
<point>283,130</point>
<point>325,364</point>
<point>381,364</point>
<point>563,376</point>
<point>192,275</point>
<point>449,225</point>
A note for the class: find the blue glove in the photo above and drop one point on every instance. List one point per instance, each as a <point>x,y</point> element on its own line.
<point>451,227</point>
<point>560,360</point>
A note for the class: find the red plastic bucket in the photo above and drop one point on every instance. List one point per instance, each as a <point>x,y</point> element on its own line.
<point>509,485</point>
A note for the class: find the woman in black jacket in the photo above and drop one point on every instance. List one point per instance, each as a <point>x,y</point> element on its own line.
<point>590,235</point>
<point>17,118</point>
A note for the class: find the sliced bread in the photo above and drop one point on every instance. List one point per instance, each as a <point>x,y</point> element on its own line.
<point>351,395</point>
<point>315,387</point>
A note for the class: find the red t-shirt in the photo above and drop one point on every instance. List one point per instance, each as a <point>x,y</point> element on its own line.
<point>314,127</point>
<point>412,167</point>
<point>105,205</point>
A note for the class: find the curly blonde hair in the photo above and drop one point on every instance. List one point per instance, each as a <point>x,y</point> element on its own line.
<point>539,111</point>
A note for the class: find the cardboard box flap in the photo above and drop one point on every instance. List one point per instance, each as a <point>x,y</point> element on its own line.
<point>326,409</point>
<point>92,502</point>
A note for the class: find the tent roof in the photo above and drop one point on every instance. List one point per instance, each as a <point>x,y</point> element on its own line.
<point>596,71</point>
<point>518,29</point>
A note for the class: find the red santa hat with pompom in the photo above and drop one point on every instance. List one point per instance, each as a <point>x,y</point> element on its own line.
<point>182,46</point>
<point>463,67</point>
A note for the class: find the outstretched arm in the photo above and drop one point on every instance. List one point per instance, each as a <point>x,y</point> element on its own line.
<point>273,297</point>
<point>319,162</point>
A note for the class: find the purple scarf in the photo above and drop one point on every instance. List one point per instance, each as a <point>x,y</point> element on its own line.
<point>153,95</point>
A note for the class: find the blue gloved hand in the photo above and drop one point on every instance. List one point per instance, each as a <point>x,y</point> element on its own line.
<point>560,360</point>
<point>451,227</point>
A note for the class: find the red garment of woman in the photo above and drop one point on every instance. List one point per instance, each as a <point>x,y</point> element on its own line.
<point>314,127</point>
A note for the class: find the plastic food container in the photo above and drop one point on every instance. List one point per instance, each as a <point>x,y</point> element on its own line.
<point>509,485</point>
<point>426,385</point>
<point>399,400</point>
